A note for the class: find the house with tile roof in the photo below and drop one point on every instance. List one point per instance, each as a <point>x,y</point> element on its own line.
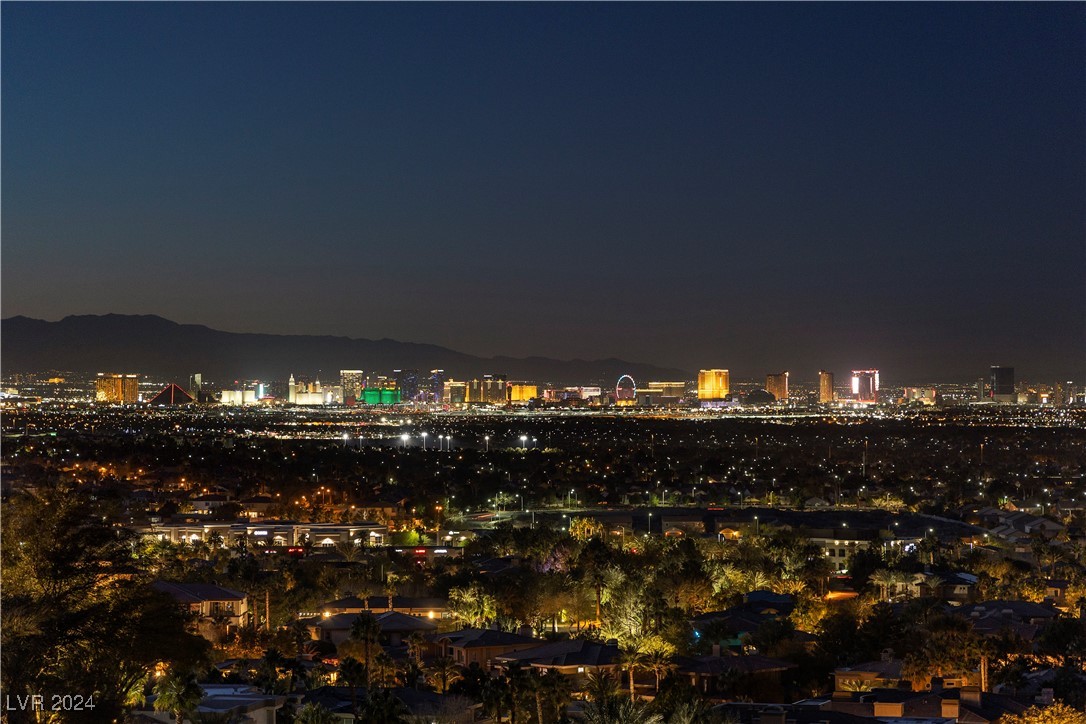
<point>478,645</point>
<point>208,601</point>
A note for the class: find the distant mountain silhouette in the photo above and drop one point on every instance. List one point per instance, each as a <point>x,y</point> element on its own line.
<point>154,346</point>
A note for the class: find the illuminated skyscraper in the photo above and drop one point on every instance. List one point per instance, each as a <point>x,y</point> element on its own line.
<point>437,385</point>
<point>521,392</point>
<point>865,385</point>
<point>494,389</point>
<point>777,385</point>
<point>196,385</point>
<point>408,382</point>
<point>474,393</point>
<point>923,395</point>
<point>825,387</point>
<point>352,382</point>
<point>713,384</point>
<point>490,389</point>
<point>117,389</point>
<point>1001,384</point>
<point>454,393</point>
<point>667,389</point>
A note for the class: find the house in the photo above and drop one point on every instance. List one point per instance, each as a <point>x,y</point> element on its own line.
<point>421,705</point>
<point>729,628</point>
<point>481,646</point>
<point>953,587</point>
<point>394,626</point>
<point>247,703</point>
<point>737,623</point>
<point>1056,591</point>
<point>571,657</point>
<point>209,502</point>
<point>884,673</point>
<point>1024,619</point>
<point>839,544</point>
<point>430,608</point>
<point>965,705</point>
<point>810,711</point>
<point>760,676</point>
<point>208,601</point>
<point>1037,614</point>
<point>258,506</point>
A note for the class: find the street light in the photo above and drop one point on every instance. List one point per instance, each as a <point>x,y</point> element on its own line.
<point>486,438</point>
<point>424,440</point>
<point>524,441</point>
<point>403,440</point>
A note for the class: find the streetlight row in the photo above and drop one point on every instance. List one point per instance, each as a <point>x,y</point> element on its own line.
<point>444,441</point>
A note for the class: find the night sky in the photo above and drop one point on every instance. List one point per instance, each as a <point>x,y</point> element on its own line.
<point>753,186</point>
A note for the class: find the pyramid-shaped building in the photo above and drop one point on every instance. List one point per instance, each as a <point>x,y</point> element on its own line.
<point>172,395</point>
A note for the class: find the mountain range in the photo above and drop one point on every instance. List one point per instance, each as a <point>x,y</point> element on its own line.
<point>157,347</point>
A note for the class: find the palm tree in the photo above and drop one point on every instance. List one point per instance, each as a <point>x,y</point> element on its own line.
<point>533,685</point>
<point>300,633</point>
<point>598,577</point>
<point>818,569</point>
<point>348,549</point>
<point>381,707</point>
<point>658,661</point>
<point>353,672</point>
<point>313,713</point>
<point>619,711</point>
<point>519,686</point>
<point>600,685</point>
<point>556,691</point>
<point>472,605</point>
<point>900,579</point>
<point>408,673</point>
<point>366,630</point>
<point>384,669</point>
<point>269,669</point>
<point>884,578</point>
<point>935,584</point>
<point>758,581</point>
<point>444,671</point>
<point>178,694</point>
<point>691,712</point>
<point>415,641</point>
<point>495,696</point>
<point>390,587</point>
<point>857,684</point>
<point>631,658</point>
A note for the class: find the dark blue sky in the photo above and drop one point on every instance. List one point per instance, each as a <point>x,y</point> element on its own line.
<point>753,186</point>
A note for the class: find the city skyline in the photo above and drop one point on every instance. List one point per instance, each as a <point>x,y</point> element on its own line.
<point>813,186</point>
<point>90,344</point>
